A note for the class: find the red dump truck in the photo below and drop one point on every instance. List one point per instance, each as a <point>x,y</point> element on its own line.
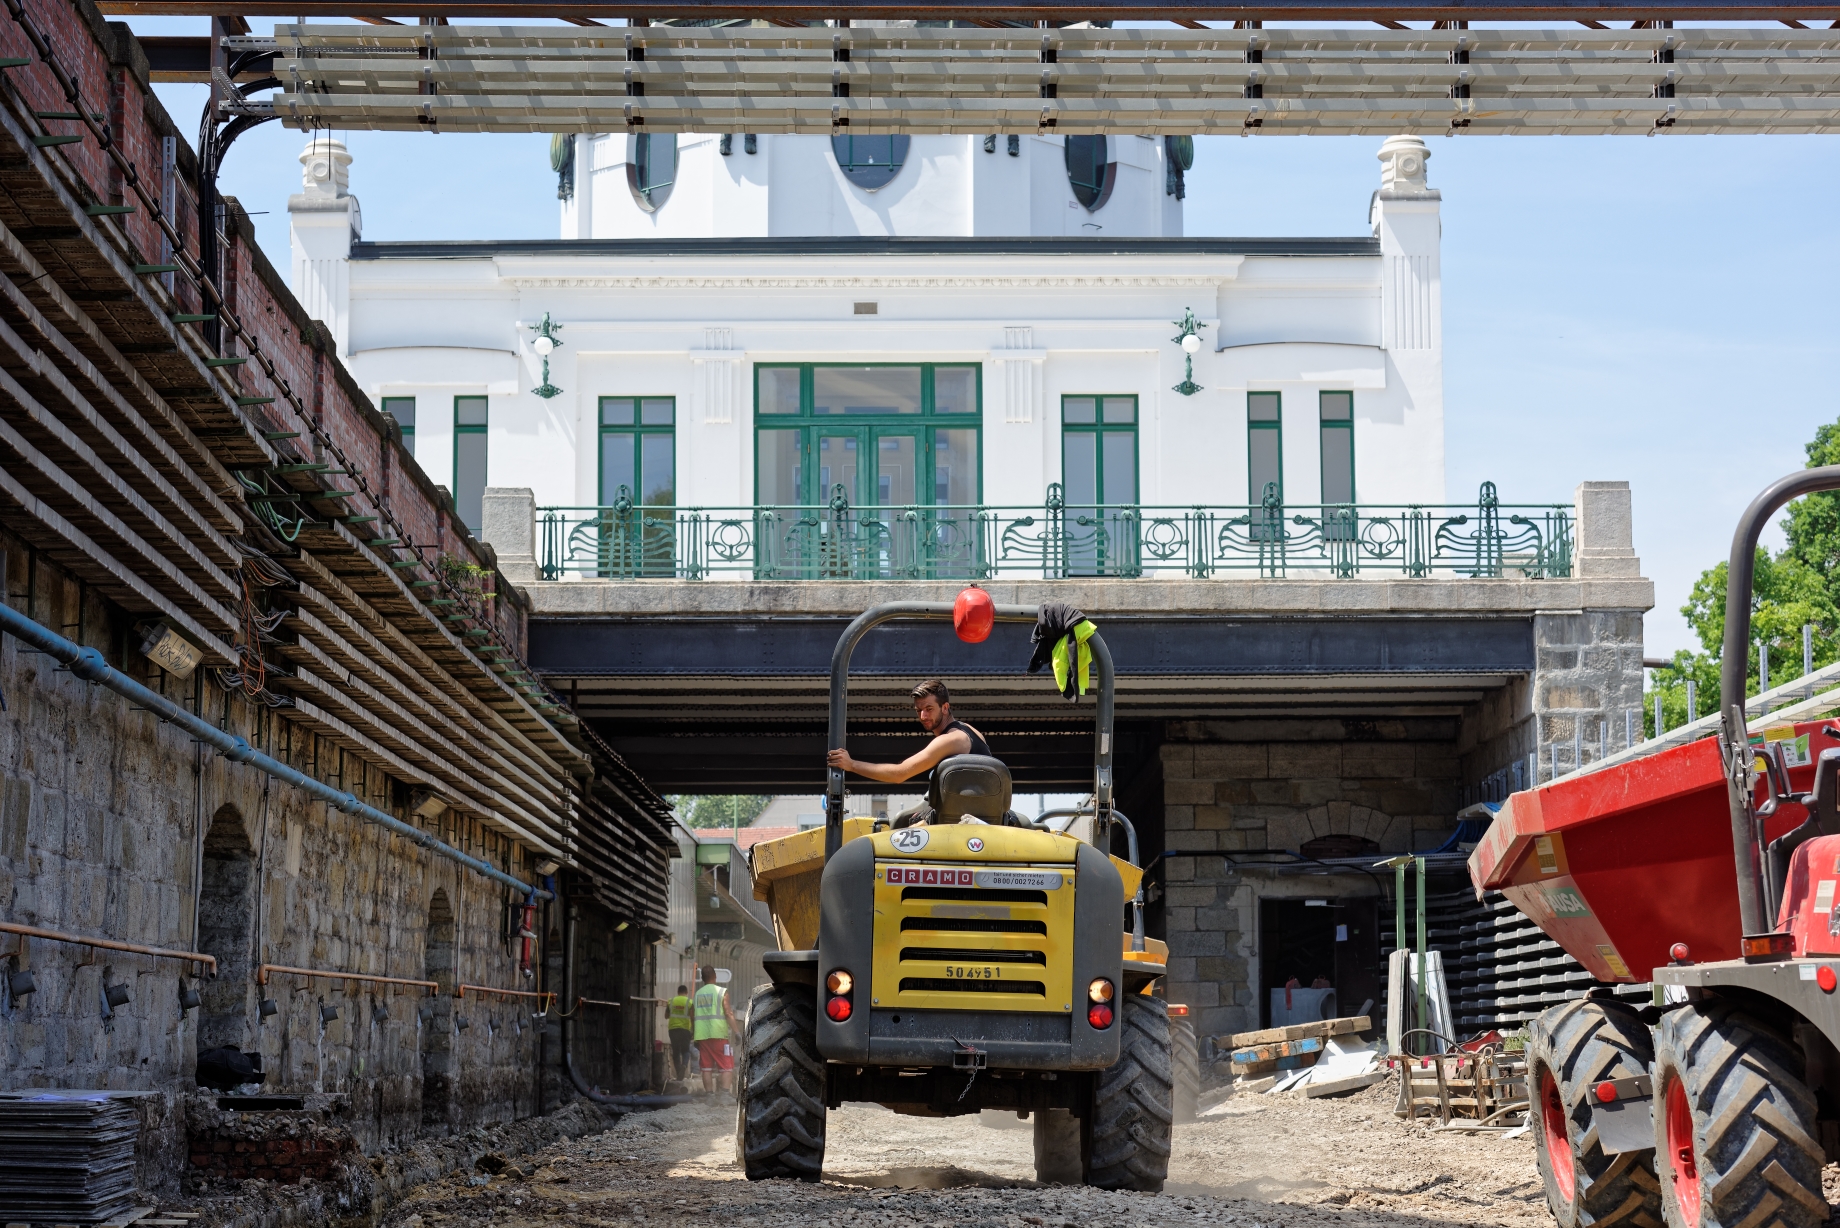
<point>1711,870</point>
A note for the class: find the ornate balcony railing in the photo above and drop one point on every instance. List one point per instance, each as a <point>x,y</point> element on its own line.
<point>837,541</point>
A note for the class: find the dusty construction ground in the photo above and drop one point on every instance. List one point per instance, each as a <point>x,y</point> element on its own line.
<point>1267,1161</point>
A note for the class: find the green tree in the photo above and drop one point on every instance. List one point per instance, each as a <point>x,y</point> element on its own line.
<point>1797,586</point>
<point>719,809</point>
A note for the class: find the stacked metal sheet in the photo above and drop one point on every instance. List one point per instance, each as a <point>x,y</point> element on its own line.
<point>1500,969</point>
<point>66,1156</point>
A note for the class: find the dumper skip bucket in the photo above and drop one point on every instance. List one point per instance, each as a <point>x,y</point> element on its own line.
<point>1618,865</point>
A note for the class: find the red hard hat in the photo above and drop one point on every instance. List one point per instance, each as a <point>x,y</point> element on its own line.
<point>973,615</point>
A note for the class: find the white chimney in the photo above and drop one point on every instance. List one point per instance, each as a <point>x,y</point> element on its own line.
<point>323,219</point>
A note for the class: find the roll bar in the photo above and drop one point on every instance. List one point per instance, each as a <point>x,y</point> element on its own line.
<point>1734,668</point>
<point>939,611</point>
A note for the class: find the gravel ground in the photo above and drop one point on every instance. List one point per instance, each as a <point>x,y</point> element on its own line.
<point>1261,1161</point>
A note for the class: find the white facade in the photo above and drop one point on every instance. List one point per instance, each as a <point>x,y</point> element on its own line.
<point>962,259</point>
<point>793,186</point>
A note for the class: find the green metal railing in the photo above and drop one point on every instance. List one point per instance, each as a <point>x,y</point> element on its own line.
<point>837,541</point>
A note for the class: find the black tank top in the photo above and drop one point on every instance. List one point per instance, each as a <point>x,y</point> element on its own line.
<point>978,745</point>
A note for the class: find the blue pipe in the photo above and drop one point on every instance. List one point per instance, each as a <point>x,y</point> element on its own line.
<point>88,665</point>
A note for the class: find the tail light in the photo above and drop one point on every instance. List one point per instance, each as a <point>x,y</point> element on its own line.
<point>1100,990</point>
<point>1099,1014</point>
<point>838,985</point>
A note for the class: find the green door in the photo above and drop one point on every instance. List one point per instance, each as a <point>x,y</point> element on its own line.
<point>866,470</point>
<point>1099,485</point>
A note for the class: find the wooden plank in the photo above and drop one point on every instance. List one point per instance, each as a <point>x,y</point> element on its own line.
<point>1336,1087</point>
<point>122,388</point>
<point>366,707</point>
<point>127,1217</point>
<point>460,672</point>
<point>386,671</point>
<point>55,488</point>
<point>365,746</point>
<point>71,548</point>
<point>147,460</point>
<point>1297,1031</point>
<point>103,480</point>
<point>1276,1050</point>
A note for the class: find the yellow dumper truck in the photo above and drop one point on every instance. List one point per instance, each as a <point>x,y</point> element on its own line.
<point>973,960</point>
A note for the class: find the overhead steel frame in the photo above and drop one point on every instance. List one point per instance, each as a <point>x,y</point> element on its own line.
<point>886,78</point>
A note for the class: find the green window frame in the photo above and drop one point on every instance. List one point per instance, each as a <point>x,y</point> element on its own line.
<point>901,443</point>
<point>870,162</point>
<point>934,410</point>
<point>1090,170</point>
<point>1264,445</point>
<point>1335,429</point>
<point>1097,433</point>
<point>403,410</point>
<point>637,479</point>
<point>472,420</point>
<point>1100,483</point>
<point>651,171</point>
<point>638,448</point>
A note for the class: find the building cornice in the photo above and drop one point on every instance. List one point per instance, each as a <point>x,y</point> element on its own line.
<point>664,281</point>
<point>864,245</point>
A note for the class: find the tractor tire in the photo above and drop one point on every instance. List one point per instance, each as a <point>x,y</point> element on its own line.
<point>779,1120</point>
<point>1729,1094</point>
<point>1185,1064</point>
<point>1060,1147</point>
<point>1570,1050</point>
<point>1133,1104</point>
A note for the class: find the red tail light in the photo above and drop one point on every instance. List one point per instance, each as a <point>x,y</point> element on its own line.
<point>838,1009</point>
<point>1099,1014</point>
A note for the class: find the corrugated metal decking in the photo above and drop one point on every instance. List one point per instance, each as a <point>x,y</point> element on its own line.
<point>868,79</point>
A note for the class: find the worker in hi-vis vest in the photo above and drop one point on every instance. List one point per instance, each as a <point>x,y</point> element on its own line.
<point>714,1023</point>
<point>677,1021</point>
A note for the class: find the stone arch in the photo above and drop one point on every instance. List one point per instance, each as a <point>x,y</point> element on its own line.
<point>1352,819</point>
<point>437,1015</point>
<point>226,923</point>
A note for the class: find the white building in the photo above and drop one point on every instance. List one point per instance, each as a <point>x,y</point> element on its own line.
<point>744,322</point>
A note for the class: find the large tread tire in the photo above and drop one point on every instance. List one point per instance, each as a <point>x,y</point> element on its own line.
<point>1133,1104</point>
<point>1756,1156</point>
<point>780,1117</point>
<point>1185,1064</point>
<point>1059,1147</point>
<point>1577,1046</point>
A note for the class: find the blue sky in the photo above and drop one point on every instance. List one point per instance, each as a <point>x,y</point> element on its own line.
<point>1659,310</point>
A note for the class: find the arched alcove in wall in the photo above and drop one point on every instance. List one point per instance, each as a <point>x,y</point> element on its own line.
<point>437,1013</point>
<point>226,921</point>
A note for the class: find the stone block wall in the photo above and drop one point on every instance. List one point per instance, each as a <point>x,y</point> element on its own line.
<point>1587,685</point>
<point>105,818</point>
<point>1233,787</point>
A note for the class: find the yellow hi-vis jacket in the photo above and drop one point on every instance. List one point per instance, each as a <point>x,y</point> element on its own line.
<point>677,1013</point>
<point>711,1018</point>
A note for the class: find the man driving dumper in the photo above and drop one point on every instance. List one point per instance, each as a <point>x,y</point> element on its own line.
<point>951,736</point>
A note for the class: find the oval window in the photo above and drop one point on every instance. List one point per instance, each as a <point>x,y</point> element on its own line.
<point>651,168</point>
<point>870,162</point>
<point>1090,171</point>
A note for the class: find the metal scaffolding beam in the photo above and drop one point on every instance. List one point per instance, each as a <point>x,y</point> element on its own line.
<point>978,13</point>
<point>905,79</point>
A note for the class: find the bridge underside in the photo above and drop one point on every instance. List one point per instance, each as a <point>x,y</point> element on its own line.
<point>739,705</point>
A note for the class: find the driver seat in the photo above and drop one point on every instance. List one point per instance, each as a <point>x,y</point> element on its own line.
<point>963,787</point>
